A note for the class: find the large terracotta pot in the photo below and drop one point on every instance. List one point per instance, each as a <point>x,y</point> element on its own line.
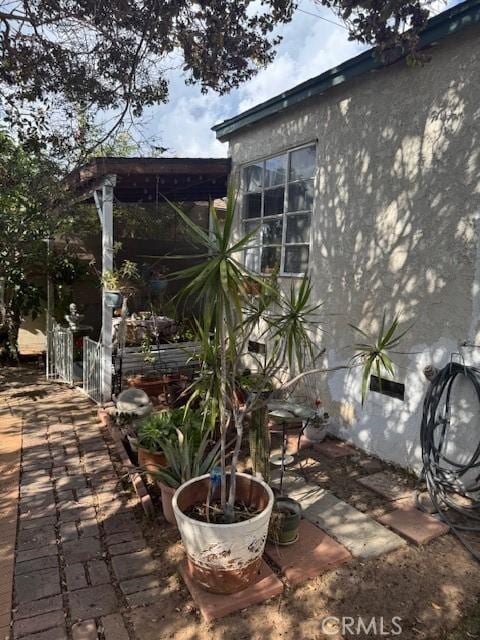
<point>151,461</point>
<point>167,497</point>
<point>151,386</point>
<point>224,558</point>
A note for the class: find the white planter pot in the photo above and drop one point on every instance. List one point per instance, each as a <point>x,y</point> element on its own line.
<point>224,558</point>
<point>316,434</point>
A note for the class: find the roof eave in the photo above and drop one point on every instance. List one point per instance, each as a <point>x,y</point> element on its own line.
<point>447,23</point>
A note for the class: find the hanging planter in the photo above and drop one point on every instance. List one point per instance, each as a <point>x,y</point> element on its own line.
<point>224,558</point>
<point>113,299</point>
<point>157,285</point>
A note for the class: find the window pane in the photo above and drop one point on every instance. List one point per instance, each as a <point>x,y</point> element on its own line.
<point>275,169</point>
<point>300,196</point>
<point>302,163</point>
<point>251,226</point>
<point>273,201</point>
<point>296,259</point>
<point>270,259</point>
<point>252,258</point>
<point>252,205</point>
<point>252,177</point>
<point>298,228</point>
<point>272,232</point>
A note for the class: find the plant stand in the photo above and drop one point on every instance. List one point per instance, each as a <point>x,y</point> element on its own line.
<point>284,413</point>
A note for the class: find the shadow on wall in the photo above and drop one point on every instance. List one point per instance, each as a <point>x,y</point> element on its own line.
<point>397,196</point>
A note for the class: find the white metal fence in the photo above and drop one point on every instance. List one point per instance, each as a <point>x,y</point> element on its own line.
<point>92,369</point>
<point>60,361</point>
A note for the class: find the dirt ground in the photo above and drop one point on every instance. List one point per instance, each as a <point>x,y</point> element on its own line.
<point>429,588</point>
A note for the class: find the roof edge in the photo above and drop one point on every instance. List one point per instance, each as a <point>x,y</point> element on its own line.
<point>447,23</point>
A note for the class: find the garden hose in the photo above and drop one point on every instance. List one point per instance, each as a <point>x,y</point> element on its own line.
<point>444,477</point>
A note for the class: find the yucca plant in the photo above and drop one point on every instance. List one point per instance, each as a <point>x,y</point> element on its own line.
<point>232,312</point>
<point>374,355</point>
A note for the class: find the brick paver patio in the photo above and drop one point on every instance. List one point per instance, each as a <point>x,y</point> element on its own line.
<point>80,557</point>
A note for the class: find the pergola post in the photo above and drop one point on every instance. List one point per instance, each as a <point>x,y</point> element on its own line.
<point>104,202</point>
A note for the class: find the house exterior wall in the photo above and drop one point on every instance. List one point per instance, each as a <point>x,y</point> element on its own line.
<point>396,227</point>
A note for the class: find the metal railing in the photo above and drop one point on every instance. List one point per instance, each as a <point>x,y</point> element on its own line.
<point>92,369</point>
<point>60,359</point>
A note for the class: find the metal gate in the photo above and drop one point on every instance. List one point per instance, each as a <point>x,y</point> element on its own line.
<point>60,351</point>
<point>92,369</point>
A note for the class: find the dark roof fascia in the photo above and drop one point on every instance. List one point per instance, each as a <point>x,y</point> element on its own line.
<point>439,27</point>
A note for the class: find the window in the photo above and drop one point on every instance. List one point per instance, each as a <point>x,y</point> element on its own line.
<point>277,205</point>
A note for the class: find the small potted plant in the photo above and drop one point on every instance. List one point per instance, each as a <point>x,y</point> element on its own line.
<point>285,521</point>
<point>154,431</point>
<point>316,428</point>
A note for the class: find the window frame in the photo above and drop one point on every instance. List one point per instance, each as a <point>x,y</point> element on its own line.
<point>285,214</point>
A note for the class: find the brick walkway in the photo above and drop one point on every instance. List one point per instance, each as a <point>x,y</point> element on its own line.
<point>81,559</point>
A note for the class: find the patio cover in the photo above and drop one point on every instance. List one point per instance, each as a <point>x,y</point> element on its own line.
<point>139,180</point>
<point>148,179</point>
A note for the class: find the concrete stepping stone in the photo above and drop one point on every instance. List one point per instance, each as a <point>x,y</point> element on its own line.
<point>416,526</point>
<point>313,554</point>
<point>360,534</point>
<point>334,449</point>
<point>387,484</point>
<point>213,605</point>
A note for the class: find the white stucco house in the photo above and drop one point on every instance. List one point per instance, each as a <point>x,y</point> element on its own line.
<point>368,177</point>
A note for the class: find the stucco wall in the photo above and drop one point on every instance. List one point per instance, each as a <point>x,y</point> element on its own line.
<point>397,199</point>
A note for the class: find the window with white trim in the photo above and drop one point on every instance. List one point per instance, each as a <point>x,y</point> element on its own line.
<point>278,201</point>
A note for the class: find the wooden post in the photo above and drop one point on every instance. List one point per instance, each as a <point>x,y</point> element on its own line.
<point>107,265</point>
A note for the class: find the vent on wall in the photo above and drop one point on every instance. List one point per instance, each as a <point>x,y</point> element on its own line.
<point>387,387</point>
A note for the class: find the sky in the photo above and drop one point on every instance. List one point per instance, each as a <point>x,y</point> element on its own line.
<point>311,44</point>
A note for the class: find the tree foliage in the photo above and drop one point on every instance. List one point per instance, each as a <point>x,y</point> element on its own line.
<point>383,23</point>
<point>64,60</point>
<point>29,203</point>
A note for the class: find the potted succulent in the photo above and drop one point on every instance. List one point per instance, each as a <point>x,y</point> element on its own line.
<point>224,517</point>
<point>154,431</point>
<point>188,455</point>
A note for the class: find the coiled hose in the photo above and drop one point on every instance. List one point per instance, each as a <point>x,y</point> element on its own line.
<point>445,477</point>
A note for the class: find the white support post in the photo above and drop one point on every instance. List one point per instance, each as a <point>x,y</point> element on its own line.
<point>106,202</point>
<point>48,325</point>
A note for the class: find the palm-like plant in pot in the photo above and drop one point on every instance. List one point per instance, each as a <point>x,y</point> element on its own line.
<point>223,519</point>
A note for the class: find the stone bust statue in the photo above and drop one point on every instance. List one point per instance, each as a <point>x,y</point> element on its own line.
<point>73,318</point>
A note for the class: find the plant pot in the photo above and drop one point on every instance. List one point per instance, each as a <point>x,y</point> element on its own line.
<point>150,461</point>
<point>157,285</point>
<point>133,442</point>
<point>316,434</point>
<point>285,520</point>
<point>151,386</point>
<point>224,558</point>
<point>113,299</point>
<point>167,497</point>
